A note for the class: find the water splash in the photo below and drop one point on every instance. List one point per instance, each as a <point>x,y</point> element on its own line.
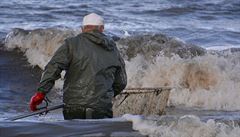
<point>186,126</point>
<point>209,81</point>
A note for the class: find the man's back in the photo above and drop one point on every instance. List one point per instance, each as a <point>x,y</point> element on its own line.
<point>92,70</point>
<point>95,71</point>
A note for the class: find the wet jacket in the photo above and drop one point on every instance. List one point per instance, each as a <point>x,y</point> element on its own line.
<point>95,71</point>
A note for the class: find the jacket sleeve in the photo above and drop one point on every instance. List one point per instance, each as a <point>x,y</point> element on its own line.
<point>59,61</point>
<point>120,80</point>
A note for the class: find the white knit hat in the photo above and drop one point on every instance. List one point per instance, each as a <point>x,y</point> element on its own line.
<point>93,19</point>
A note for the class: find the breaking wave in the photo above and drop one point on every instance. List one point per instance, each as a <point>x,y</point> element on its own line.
<point>185,126</point>
<point>209,80</point>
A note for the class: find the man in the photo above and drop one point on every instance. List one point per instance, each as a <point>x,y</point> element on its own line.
<point>95,73</point>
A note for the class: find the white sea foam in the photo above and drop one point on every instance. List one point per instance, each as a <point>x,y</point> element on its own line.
<point>219,48</point>
<point>185,126</point>
<point>39,45</point>
<point>209,81</point>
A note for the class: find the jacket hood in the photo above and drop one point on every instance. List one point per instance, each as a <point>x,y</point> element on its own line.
<point>100,39</point>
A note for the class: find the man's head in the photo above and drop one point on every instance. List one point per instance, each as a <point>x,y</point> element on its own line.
<point>92,22</point>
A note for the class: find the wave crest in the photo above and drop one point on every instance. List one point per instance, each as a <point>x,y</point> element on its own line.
<point>201,79</point>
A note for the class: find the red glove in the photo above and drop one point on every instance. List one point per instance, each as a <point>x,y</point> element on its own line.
<point>36,100</point>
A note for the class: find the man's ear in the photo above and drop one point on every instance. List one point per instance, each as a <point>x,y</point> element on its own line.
<point>101,29</point>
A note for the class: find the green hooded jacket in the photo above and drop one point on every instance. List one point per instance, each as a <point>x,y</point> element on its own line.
<point>95,71</point>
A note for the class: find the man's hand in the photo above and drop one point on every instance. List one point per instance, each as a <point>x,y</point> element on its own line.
<point>36,100</point>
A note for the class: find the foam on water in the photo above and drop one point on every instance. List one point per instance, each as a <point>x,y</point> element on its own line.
<point>38,45</point>
<point>209,81</point>
<point>219,48</point>
<point>185,126</point>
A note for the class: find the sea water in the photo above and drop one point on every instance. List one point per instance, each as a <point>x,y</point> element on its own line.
<point>204,100</point>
